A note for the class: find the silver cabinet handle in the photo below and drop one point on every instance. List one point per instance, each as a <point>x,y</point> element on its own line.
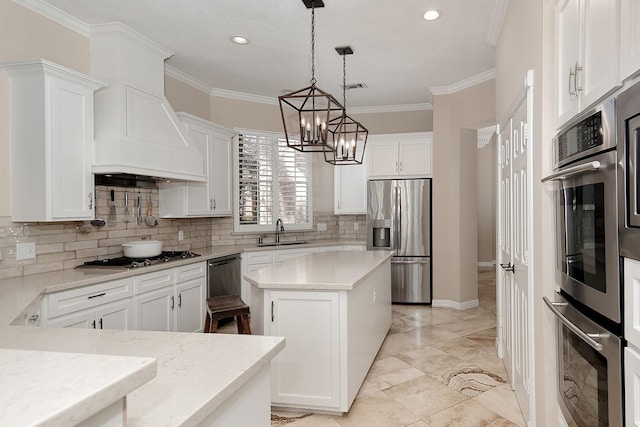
<point>210,204</point>
<point>172,302</point>
<point>272,307</point>
<point>591,339</point>
<point>572,73</point>
<point>96,295</point>
<point>400,166</point>
<point>180,300</point>
<point>586,167</point>
<point>214,204</point>
<point>100,323</point>
<point>90,201</point>
<point>575,79</point>
<point>93,324</point>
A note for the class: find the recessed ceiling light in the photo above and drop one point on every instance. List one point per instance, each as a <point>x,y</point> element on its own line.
<point>432,15</point>
<point>239,39</point>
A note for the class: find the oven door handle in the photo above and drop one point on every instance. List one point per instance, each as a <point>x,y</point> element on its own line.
<point>575,170</point>
<point>591,339</point>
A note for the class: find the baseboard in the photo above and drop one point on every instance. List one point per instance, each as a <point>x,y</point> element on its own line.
<point>486,263</point>
<point>445,303</point>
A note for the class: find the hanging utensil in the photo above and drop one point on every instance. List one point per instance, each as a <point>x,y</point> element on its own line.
<point>126,217</point>
<point>111,218</point>
<point>139,210</point>
<point>150,219</point>
<point>98,222</point>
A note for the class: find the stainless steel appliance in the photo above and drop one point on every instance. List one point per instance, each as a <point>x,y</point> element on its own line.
<point>399,219</point>
<point>126,263</point>
<point>628,127</point>
<point>589,369</point>
<point>223,276</point>
<point>586,212</point>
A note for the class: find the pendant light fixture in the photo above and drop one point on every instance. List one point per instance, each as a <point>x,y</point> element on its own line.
<point>349,137</point>
<point>306,113</point>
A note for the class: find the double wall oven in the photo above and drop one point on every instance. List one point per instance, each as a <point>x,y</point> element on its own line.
<point>588,306</point>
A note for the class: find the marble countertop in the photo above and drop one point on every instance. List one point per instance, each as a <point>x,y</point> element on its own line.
<point>320,271</point>
<point>46,396</point>
<point>195,372</point>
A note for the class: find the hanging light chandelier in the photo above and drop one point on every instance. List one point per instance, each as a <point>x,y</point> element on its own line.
<point>349,137</point>
<point>306,113</point>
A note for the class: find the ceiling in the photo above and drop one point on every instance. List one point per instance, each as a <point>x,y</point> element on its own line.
<point>397,54</point>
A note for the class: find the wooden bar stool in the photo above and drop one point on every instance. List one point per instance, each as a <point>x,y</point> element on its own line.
<point>227,306</point>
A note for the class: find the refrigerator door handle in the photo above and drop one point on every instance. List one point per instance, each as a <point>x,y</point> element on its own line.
<point>421,261</point>
<point>397,213</point>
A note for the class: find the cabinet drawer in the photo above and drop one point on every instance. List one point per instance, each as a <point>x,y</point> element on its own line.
<point>263,257</point>
<point>73,300</point>
<point>189,272</point>
<point>152,281</point>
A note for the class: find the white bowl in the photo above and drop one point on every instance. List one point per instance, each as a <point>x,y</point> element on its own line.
<point>142,248</point>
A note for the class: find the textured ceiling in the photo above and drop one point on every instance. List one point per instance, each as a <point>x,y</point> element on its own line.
<point>397,54</point>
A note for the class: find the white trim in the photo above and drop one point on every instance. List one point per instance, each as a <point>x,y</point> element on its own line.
<point>499,13</point>
<point>53,13</point>
<point>464,84</point>
<point>108,28</point>
<point>391,108</point>
<point>445,303</point>
<point>241,96</point>
<point>485,135</point>
<point>186,79</point>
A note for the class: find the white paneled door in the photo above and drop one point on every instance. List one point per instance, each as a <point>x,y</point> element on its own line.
<point>514,241</point>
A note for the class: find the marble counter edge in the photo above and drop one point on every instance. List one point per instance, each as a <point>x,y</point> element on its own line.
<point>318,285</point>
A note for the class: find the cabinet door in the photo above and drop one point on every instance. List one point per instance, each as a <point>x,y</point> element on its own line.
<point>118,315</point>
<point>601,51</point>
<point>84,319</point>
<point>414,158</point>
<point>629,39</point>
<point>311,325</point>
<point>350,189</point>
<point>567,57</point>
<point>632,301</point>
<point>221,176</point>
<point>154,310</point>
<point>190,306</point>
<point>632,386</point>
<point>71,151</point>
<point>198,194</point>
<point>382,159</point>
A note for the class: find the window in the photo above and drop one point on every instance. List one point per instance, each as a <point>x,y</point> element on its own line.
<point>272,181</point>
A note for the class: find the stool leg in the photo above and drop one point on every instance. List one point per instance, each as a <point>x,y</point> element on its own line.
<point>214,325</point>
<point>246,325</point>
<point>207,323</point>
<point>239,324</point>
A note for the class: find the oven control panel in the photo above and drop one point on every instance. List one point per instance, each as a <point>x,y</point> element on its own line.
<point>582,137</point>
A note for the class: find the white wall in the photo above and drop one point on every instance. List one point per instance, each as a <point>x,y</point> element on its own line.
<point>486,199</point>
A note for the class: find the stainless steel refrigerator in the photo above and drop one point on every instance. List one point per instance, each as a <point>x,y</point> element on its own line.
<point>399,219</point>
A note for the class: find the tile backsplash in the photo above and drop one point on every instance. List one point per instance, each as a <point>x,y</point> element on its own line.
<point>64,245</point>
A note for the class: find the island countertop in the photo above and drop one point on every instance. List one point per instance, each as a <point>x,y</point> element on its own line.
<point>320,271</point>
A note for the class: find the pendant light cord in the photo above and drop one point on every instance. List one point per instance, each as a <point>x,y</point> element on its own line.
<point>313,43</point>
<point>344,82</point>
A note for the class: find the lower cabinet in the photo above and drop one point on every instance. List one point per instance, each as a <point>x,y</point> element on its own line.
<point>118,315</point>
<point>311,323</point>
<point>189,306</point>
<point>632,386</point>
<point>154,310</point>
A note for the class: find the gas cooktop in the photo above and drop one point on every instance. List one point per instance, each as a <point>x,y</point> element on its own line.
<point>125,263</point>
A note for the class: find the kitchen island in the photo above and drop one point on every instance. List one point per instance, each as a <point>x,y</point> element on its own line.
<point>334,309</point>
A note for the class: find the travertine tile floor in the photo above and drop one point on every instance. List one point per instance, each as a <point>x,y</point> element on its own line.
<point>437,367</point>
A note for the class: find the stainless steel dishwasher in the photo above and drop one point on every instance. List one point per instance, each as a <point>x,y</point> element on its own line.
<point>223,276</point>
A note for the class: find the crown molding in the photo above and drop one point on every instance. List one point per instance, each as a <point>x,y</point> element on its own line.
<point>464,84</point>
<point>118,29</point>
<point>241,96</point>
<point>56,15</point>
<point>391,108</point>
<point>499,13</point>
<point>485,135</point>
<point>185,78</point>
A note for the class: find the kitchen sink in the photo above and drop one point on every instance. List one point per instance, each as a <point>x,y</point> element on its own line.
<point>264,245</point>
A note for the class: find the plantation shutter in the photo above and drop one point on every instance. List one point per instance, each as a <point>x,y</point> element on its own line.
<point>293,184</point>
<point>255,180</point>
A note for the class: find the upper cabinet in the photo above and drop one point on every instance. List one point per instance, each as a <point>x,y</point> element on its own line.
<point>400,155</point>
<point>202,199</point>
<point>629,38</point>
<point>587,54</point>
<point>51,142</point>
<point>350,188</point>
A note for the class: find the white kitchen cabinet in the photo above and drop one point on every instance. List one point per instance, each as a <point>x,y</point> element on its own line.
<point>189,306</point>
<point>154,310</point>
<point>202,199</point>
<point>587,54</point>
<point>632,301</point>
<point>632,386</point>
<point>350,189</point>
<point>311,323</point>
<point>51,111</point>
<point>401,155</point>
<point>117,315</point>
<point>629,38</point>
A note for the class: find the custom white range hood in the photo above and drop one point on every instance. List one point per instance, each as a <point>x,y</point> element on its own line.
<point>136,130</point>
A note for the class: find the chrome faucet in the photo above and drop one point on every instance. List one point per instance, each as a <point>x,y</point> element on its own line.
<point>279,229</point>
